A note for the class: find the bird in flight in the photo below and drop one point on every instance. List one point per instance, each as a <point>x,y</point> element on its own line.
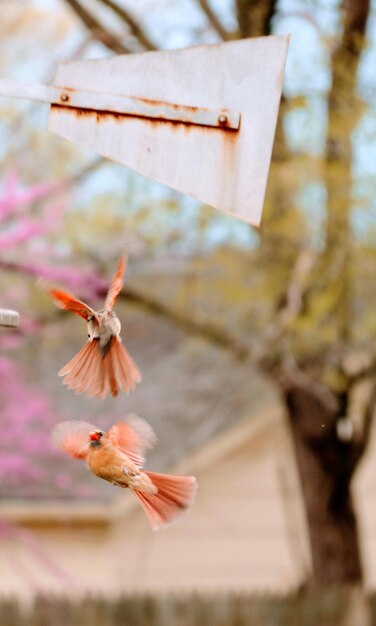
<point>118,456</point>
<point>103,365</point>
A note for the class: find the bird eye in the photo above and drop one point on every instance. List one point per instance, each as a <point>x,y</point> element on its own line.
<point>89,336</point>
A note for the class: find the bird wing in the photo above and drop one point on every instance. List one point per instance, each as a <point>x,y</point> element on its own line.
<point>72,437</point>
<point>116,284</point>
<point>65,300</point>
<point>133,437</point>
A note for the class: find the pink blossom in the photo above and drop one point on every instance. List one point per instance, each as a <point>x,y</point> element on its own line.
<point>14,199</point>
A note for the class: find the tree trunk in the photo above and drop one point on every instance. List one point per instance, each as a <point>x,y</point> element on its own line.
<point>254,17</point>
<point>326,465</point>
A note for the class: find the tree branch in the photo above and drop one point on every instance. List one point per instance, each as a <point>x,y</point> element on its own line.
<point>97,29</point>
<point>134,26</point>
<point>210,332</point>
<point>295,291</point>
<point>357,365</point>
<point>75,178</point>
<point>254,17</point>
<point>222,338</point>
<point>214,21</point>
<point>344,112</point>
<point>291,306</point>
<point>214,334</point>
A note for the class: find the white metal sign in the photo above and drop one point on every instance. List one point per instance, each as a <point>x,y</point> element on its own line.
<point>201,120</point>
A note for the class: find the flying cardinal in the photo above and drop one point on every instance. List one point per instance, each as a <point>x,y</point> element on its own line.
<point>118,456</point>
<point>103,365</point>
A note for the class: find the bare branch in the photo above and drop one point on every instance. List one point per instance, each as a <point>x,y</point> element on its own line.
<point>75,178</point>
<point>63,185</point>
<point>357,365</point>
<point>295,291</point>
<point>210,332</point>
<point>214,334</point>
<point>254,17</point>
<point>291,307</point>
<point>220,337</point>
<point>343,115</point>
<point>214,21</point>
<point>97,29</point>
<point>85,171</point>
<point>134,26</point>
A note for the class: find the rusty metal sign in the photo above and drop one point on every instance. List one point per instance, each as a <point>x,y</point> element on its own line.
<point>201,120</point>
<point>125,105</point>
<point>9,318</point>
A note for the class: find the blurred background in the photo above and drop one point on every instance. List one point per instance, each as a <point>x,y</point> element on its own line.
<point>256,347</point>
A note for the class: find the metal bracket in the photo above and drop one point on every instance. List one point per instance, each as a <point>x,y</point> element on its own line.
<point>123,105</point>
<point>9,318</point>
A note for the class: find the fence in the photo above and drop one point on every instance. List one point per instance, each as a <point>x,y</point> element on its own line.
<point>345,607</point>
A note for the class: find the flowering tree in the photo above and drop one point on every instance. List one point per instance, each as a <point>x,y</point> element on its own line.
<point>27,413</point>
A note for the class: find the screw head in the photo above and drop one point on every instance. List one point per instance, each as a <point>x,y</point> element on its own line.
<point>222,119</point>
<point>64,97</point>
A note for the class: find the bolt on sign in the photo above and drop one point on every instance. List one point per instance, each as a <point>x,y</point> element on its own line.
<point>201,120</point>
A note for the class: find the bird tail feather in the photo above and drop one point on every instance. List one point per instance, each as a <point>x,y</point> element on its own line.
<point>99,375</point>
<point>124,369</point>
<point>175,494</point>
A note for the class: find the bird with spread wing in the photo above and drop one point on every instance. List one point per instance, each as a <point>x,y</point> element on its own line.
<point>118,456</point>
<point>103,365</point>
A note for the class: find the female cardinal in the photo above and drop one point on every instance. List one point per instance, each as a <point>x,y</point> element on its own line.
<point>103,364</point>
<point>117,456</point>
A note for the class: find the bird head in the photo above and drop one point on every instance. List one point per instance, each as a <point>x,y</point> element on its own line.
<point>95,437</point>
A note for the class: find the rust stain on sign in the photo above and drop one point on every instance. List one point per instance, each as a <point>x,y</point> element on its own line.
<point>229,167</point>
<point>148,108</point>
<point>102,116</point>
<point>99,116</point>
